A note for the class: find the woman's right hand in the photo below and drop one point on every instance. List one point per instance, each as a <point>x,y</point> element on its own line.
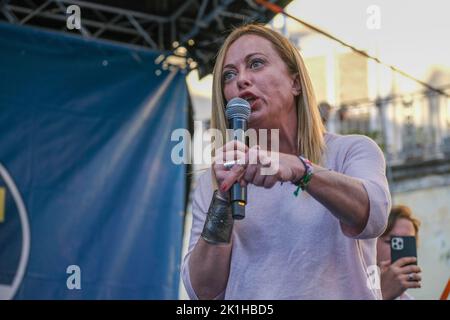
<point>233,150</point>
<point>395,277</point>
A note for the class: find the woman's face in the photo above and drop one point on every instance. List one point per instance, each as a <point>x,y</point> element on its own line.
<point>402,227</point>
<point>254,71</point>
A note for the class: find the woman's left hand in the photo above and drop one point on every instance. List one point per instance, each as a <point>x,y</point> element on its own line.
<point>265,168</point>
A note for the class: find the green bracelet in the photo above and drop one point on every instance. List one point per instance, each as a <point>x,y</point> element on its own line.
<point>302,183</point>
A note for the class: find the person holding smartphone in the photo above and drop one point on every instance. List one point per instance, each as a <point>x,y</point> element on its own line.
<point>402,274</point>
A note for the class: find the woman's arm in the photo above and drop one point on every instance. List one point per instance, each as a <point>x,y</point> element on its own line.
<point>344,196</point>
<point>209,260</point>
<point>351,196</point>
<point>358,195</point>
<point>209,267</point>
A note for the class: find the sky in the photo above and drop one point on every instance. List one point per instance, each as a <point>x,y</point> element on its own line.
<point>414,35</point>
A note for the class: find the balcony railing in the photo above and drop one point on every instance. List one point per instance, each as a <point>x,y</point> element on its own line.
<point>412,127</point>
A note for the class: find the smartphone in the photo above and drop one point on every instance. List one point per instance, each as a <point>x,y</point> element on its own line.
<point>403,247</point>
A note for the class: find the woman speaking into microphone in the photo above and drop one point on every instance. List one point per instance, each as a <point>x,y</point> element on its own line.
<point>310,228</point>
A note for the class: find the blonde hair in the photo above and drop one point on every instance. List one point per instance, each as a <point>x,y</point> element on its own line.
<point>310,127</point>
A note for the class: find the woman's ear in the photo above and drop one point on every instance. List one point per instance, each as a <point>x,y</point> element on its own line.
<point>296,88</point>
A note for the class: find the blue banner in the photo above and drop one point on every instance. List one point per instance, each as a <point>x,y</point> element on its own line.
<point>91,205</point>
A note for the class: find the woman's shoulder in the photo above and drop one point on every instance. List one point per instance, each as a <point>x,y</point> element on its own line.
<point>338,142</point>
<point>340,148</point>
<point>335,139</point>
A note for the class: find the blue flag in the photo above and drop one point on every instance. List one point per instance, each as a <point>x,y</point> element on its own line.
<point>91,205</point>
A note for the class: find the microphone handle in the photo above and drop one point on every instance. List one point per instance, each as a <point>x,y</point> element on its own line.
<point>238,194</point>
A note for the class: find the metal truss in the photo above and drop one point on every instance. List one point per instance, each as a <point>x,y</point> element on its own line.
<point>196,24</point>
<point>96,18</point>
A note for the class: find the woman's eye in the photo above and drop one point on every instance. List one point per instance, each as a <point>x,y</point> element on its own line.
<point>228,75</point>
<point>256,63</point>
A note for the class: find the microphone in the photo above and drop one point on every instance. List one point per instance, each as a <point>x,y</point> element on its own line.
<point>237,112</point>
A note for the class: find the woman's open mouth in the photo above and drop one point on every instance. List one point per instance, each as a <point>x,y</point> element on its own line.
<point>253,102</point>
<point>251,99</point>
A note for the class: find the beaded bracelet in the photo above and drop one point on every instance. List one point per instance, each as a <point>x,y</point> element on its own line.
<point>302,183</point>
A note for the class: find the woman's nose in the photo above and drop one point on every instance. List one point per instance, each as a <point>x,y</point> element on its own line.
<point>243,80</point>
